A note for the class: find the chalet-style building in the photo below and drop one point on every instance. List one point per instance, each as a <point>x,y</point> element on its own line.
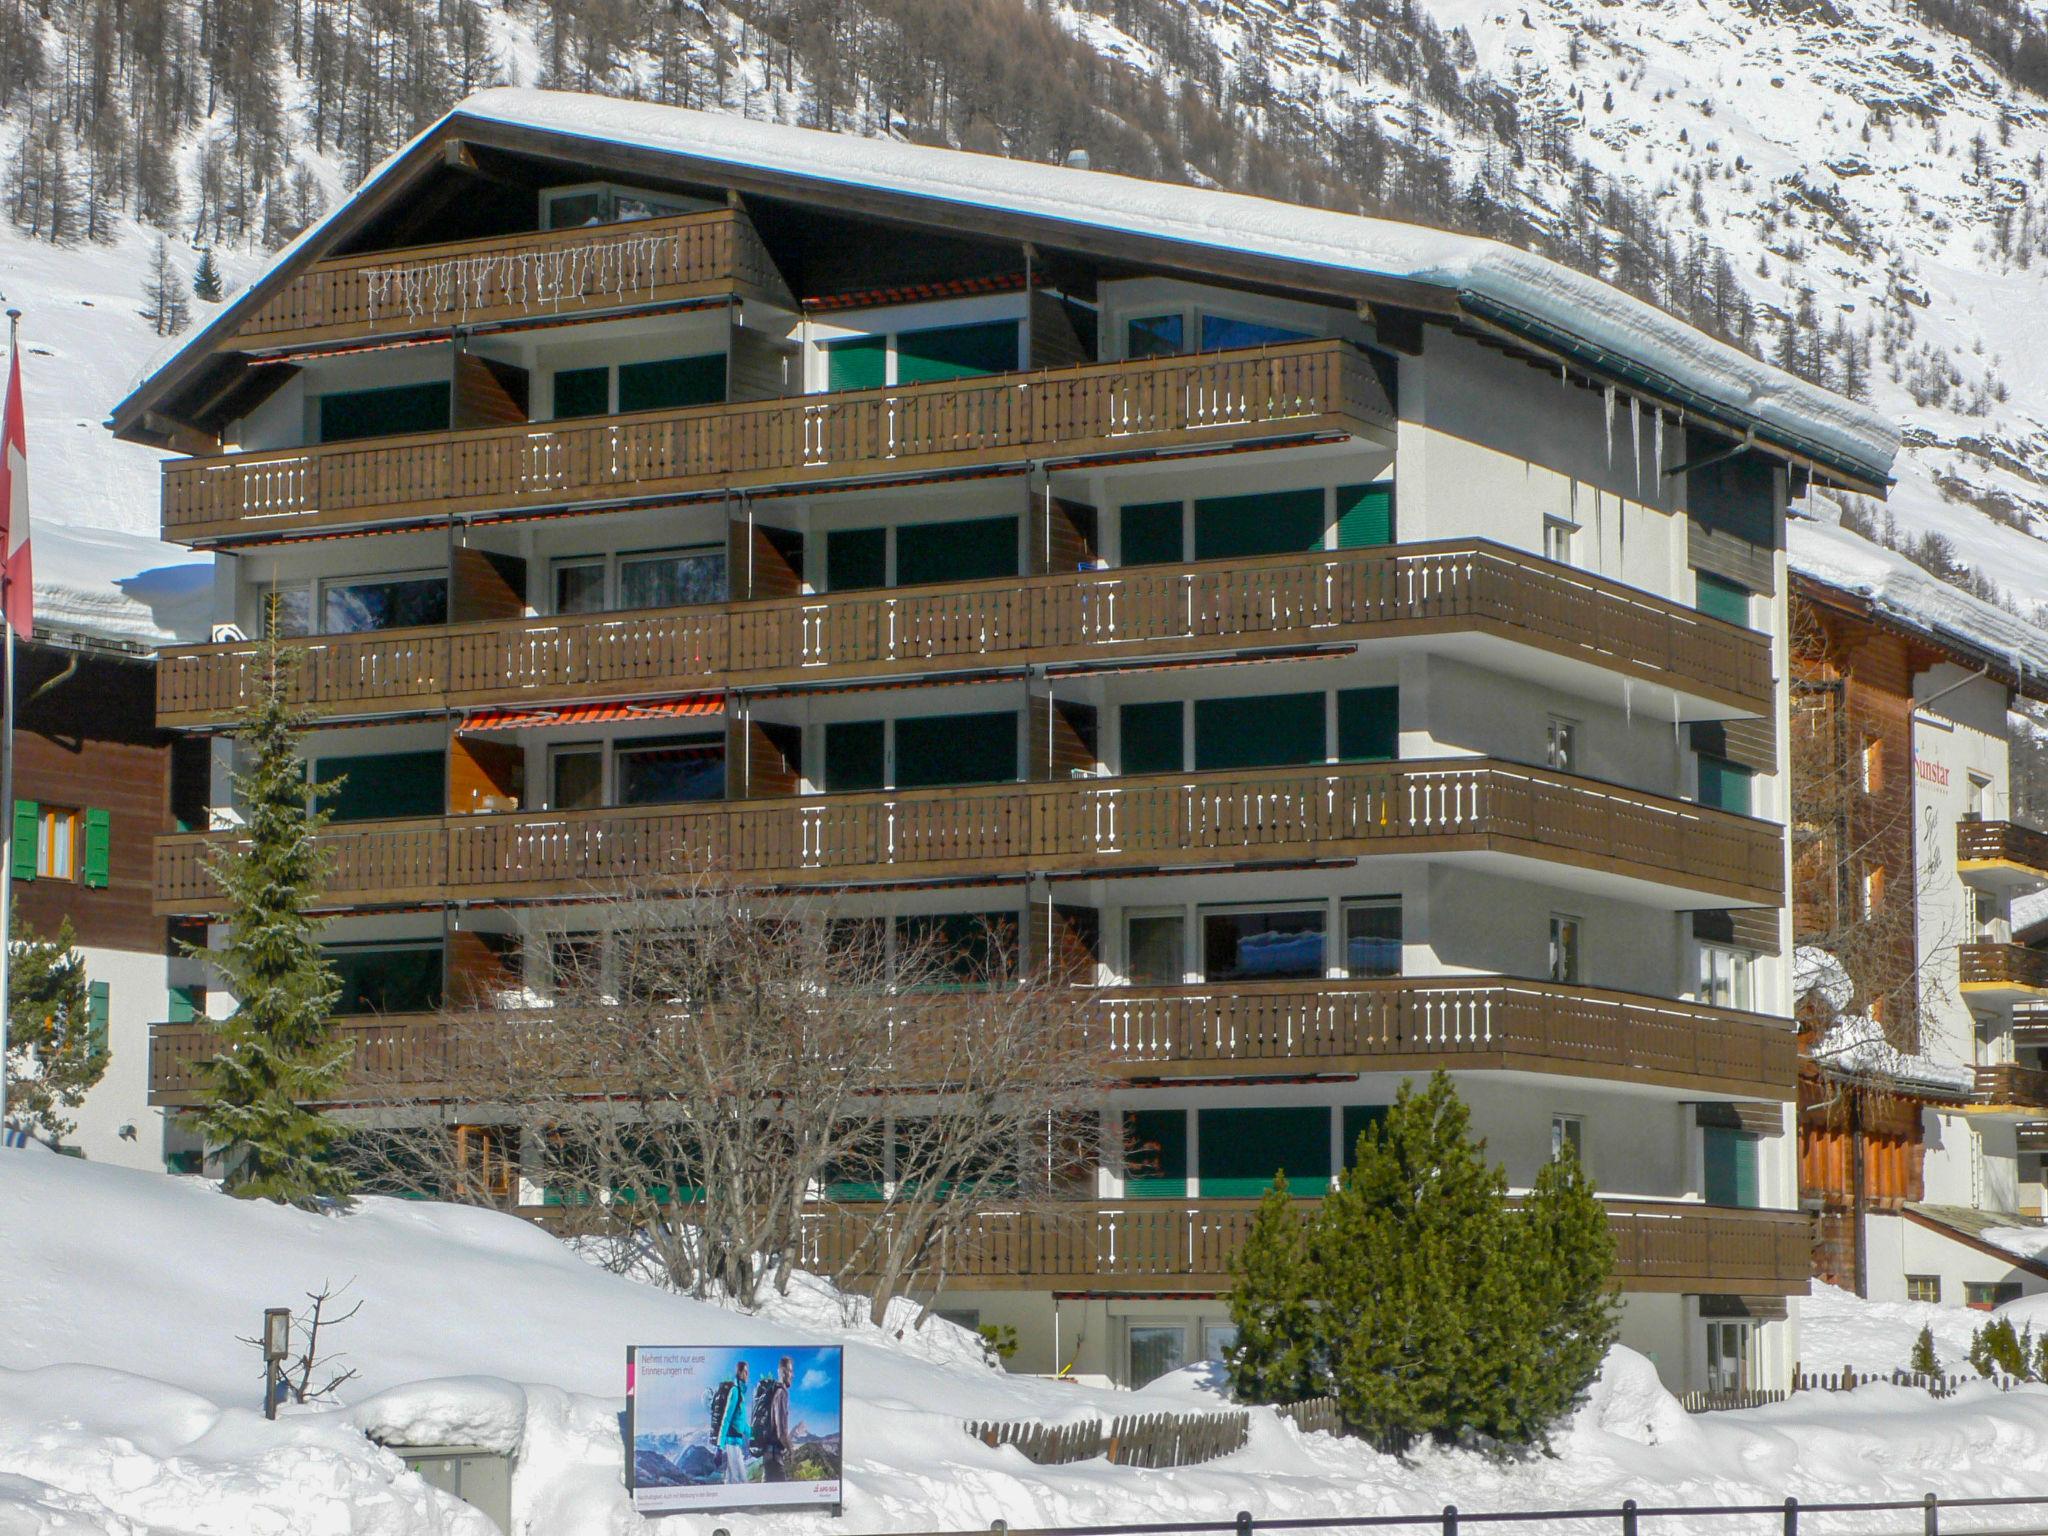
<point>1923,1099</point>
<point>650,485</point>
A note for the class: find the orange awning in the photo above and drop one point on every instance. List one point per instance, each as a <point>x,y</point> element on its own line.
<point>531,716</point>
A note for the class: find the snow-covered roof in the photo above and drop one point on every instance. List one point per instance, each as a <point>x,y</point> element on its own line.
<point>1526,293</point>
<point>1855,1044</point>
<point>109,585</point>
<point>1899,590</point>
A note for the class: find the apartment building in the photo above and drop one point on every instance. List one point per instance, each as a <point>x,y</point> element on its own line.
<point>1348,650</point>
<point>1923,1103</point>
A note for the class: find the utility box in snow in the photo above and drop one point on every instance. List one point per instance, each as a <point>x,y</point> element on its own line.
<point>479,1477</point>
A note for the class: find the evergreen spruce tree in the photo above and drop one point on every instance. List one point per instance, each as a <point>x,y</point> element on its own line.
<point>206,281</point>
<point>53,1056</point>
<point>164,304</point>
<point>277,1051</point>
<point>1924,1362</point>
<point>1274,1359</point>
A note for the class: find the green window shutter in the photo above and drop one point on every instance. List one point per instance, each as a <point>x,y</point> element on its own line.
<point>1719,598</point>
<point>859,362</point>
<point>1269,523</point>
<point>1368,725</point>
<point>383,412</point>
<point>672,383</point>
<point>184,1004</point>
<point>853,755</point>
<point>1724,785</point>
<point>384,786</point>
<point>1731,1172</point>
<point>582,392</point>
<point>956,749</point>
<point>856,559</point>
<point>98,1014</point>
<point>1365,515</point>
<point>1241,1150</point>
<point>1151,736</point>
<point>27,828</point>
<point>1156,1153</point>
<point>1356,1118</point>
<point>398,979</point>
<point>1150,533</point>
<point>956,352</point>
<point>1265,731</point>
<point>970,550</point>
<point>99,848</point>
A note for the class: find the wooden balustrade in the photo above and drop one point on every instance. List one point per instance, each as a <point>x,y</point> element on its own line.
<point>1187,1245</point>
<point>1160,1033</point>
<point>2002,969</point>
<point>1159,821</point>
<point>1276,600</point>
<point>501,279</point>
<point>2008,1083</point>
<point>2004,853</point>
<point>1311,387</point>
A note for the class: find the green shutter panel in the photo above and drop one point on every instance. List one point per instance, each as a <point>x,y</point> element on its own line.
<point>1151,533</point>
<point>1365,515</point>
<point>99,847</point>
<point>98,1011</point>
<point>956,352</point>
<point>856,559</point>
<point>1265,523</point>
<point>1241,1150</point>
<point>1720,599</point>
<point>860,362</point>
<point>853,755</point>
<point>1368,725</point>
<point>27,819</point>
<point>1724,785</point>
<point>184,1005</point>
<point>1357,1117</point>
<point>1263,731</point>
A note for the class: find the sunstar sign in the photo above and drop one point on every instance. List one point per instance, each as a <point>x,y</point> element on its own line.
<point>715,1427</point>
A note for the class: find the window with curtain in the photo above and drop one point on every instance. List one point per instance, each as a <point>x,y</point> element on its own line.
<point>1263,943</point>
<point>370,603</point>
<point>1220,332</point>
<point>670,770</point>
<point>1372,938</point>
<point>672,580</point>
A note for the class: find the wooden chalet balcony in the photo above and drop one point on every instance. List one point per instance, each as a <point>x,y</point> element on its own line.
<point>514,279</point>
<point>1299,389</point>
<point>2002,972</point>
<point>1470,586</point>
<point>2009,1084</point>
<point>2002,855</point>
<point>1256,817</point>
<point>1464,1023</point>
<point>1187,1245</point>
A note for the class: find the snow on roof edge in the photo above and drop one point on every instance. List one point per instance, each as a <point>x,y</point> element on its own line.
<point>1601,316</point>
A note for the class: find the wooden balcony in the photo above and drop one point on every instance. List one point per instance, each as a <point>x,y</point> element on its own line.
<point>514,280</point>
<point>1270,816</point>
<point>1409,1024</point>
<point>1186,1246</point>
<point>2007,1085</point>
<point>1467,587</point>
<point>2001,973</point>
<point>1301,389</point>
<point>2002,855</point>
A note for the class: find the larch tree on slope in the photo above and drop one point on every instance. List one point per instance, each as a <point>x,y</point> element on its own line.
<point>277,1051</point>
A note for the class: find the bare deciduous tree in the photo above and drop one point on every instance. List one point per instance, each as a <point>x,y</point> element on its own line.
<point>734,1087</point>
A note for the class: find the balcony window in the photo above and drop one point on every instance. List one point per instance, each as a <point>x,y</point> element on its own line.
<point>1731,1166</point>
<point>1365,515</point>
<point>1372,938</point>
<point>1263,943</point>
<point>671,770</point>
<point>1725,976</point>
<point>576,777</point>
<point>1562,748</point>
<point>1265,523</point>
<point>971,549</point>
<point>974,948</point>
<point>1240,1150</point>
<point>856,559</point>
<point>400,408</point>
<point>1358,1119</point>
<point>1564,948</point>
<point>1368,725</point>
<point>956,351</point>
<point>1261,731</point>
<point>1155,948</point>
<point>1222,332</point>
<point>672,383</point>
<point>1724,785</point>
<point>856,755</point>
<point>1150,736</point>
<point>1157,1349</point>
<point>1558,538</point>
<point>1154,336</point>
<point>580,586</point>
<point>582,392</point>
<point>602,203</point>
<point>387,602</point>
<point>1149,533</point>
<point>1156,1154</point>
<point>1721,599</point>
<point>653,579</point>
<point>1568,1133</point>
<point>384,786</point>
<point>956,749</point>
<point>387,978</point>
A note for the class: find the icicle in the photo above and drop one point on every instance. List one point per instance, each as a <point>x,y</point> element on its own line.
<point>1628,699</point>
<point>1635,441</point>
<point>1610,426</point>
<point>1657,456</point>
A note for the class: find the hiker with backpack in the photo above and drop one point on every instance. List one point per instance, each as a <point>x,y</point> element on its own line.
<point>730,1432</point>
<point>771,1423</point>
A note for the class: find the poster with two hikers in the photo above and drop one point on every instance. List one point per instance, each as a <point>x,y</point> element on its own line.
<point>713,1427</point>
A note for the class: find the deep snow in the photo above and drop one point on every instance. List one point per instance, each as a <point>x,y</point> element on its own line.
<point>127,1399</point>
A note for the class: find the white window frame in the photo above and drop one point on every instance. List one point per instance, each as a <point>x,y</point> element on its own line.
<point>549,196</point>
<point>614,561</point>
<point>1560,540</point>
<point>1567,943</point>
<point>1740,976</point>
<point>1238,908</point>
<point>1180,913</point>
<point>1340,961</point>
<point>1569,1129</point>
<point>1561,750</point>
<point>316,589</point>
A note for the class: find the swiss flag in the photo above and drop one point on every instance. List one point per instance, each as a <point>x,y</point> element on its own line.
<point>18,596</point>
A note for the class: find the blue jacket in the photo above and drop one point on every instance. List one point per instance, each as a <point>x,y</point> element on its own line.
<point>735,1430</point>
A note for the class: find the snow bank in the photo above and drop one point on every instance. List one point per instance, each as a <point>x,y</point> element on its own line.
<point>128,1401</point>
<point>1857,1045</point>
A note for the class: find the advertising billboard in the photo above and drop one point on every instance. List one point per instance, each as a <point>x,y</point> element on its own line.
<point>716,1427</point>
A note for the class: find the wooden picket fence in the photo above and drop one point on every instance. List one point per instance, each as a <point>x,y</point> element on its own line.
<point>1717,1402</point>
<point>1129,1440</point>
<point>1838,1381</point>
<point>1312,1414</point>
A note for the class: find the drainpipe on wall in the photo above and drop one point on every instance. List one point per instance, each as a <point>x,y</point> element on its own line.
<point>1858,1193</point>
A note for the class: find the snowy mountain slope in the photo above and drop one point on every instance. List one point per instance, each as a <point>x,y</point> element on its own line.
<point>128,1394</point>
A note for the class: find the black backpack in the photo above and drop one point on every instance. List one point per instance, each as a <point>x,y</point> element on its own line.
<point>721,1399</point>
<point>764,1402</point>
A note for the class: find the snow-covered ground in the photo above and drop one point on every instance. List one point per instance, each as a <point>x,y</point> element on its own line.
<point>128,1395</point>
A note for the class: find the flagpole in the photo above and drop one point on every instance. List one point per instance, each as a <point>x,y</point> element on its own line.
<point>7,783</point>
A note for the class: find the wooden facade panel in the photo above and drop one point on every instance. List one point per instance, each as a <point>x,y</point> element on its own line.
<point>487,393</point>
<point>1061,739</point>
<point>1735,559</point>
<point>485,588</point>
<point>485,775</point>
<point>1056,337</point>
<point>760,367</point>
